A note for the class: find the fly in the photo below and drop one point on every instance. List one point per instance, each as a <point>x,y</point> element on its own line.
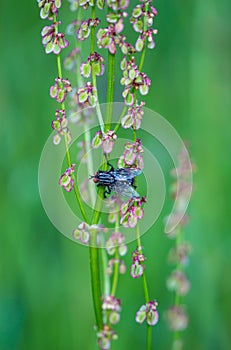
<point>120,180</point>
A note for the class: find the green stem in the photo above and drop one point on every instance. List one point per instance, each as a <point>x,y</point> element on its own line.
<point>149,337</point>
<point>110,90</point>
<point>116,272</point>
<point>116,264</point>
<point>179,267</point>
<point>76,190</point>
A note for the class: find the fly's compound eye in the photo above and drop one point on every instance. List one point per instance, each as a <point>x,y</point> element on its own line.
<point>95,180</point>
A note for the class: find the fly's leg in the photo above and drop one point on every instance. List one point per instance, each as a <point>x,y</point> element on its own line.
<point>132,184</point>
<point>107,191</point>
<point>112,168</point>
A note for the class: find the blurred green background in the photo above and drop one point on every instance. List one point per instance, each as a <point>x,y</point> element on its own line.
<point>45,297</point>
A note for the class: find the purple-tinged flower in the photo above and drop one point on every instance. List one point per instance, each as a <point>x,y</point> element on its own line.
<point>112,305</point>
<point>105,336</point>
<point>180,254</point>
<point>132,80</point>
<point>84,231</point>
<point>133,117</point>
<point>59,125</point>
<point>148,34</point>
<point>106,140</point>
<point>176,318</point>
<point>116,5</point>
<point>52,40</point>
<point>49,8</point>
<point>66,180</point>
<point>60,90</point>
<point>86,3</point>
<point>70,60</point>
<point>141,14</point>
<point>112,262</point>
<point>178,283</point>
<point>116,240</point>
<point>94,61</point>
<point>109,37</point>
<point>137,267</point>
<point>131,212</point>
<point>87,95</point>
<point>85,28</point>
<point>132,155</point>
<point>149,313</point>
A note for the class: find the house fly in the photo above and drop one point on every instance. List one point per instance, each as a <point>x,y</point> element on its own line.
<point>120,181</point>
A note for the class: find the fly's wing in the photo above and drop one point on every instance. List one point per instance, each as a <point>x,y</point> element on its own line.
<point>123,188</point>
<point>124,174</point>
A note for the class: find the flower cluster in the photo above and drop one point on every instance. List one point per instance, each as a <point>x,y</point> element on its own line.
<point>66,180</point>
<point>107,140</point>
<point>52,40</point>
<point>110,37</point>
<point>137,267</point>
<point>112,306</point>
<point>177,318</point>
<point>132,155</point>
<point>133,117</point>
<point>149,313</point>
<point>59,125</point>
<point>116,5</point>
<point>86,3</point>
<point>84,231</point>
<point>131,212</point>
<point>85,28</point>
<point>116,240</point>
<point>49,8</point>
<point>105,336</point>
<point>142,20</point>
<point>178,283</point>
<point>133,80</point>
<point>95,62</point>
<point>112,262</point>
<point>87,95</point>
<point>180,254</point>
<point>60,89</point>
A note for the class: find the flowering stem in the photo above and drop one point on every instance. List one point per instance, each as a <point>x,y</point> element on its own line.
<point>110,90</point>
<point>95,282</point>
<point>145,42</point>
<point>116,264</point>
<point>146,294</point>
<point>116,272</point>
